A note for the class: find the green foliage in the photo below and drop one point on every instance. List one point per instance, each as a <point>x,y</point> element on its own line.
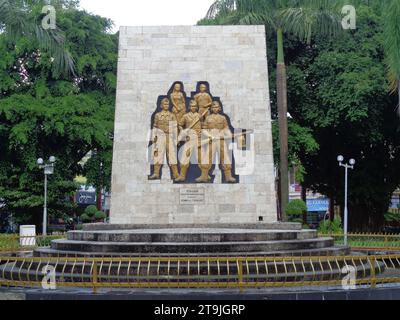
<point>329,227</point>
<point>301,141</point>
<point>303,18</point>
<point>21,19</point>
<point>392,42</point>
<point>392,217</point>
<point>91,211</point>
<point>338,89</point>
<point>43,113</point>
<point>91,214</point>
<point>100,215</point>
<point>296,207</point>
<point>85,218</point>
<point>98,169</point>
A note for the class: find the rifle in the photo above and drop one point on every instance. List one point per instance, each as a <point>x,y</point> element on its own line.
<point>183,133</point>
<point>207,141</point>
<point>186,130</point>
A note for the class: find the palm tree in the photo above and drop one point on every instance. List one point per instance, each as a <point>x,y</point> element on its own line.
<point>392,44</point>
<point>16,21</point>
<point>304,18</point>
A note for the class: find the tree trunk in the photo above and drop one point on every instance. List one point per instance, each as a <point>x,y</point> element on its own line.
<point>98,202</point>
<point>331,208</point>
<point>398,91</point>
<point>283,125</point>
<point>304,198</point>
<point>278,197</point>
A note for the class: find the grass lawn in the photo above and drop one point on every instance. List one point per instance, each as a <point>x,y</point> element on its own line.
<point>8,241</point>
<point>12,241</point>
<point>369,241</point>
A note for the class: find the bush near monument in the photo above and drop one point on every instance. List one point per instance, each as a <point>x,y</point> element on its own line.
<point>331,227</point>
<point>92,214</point>
<point>296,207</point>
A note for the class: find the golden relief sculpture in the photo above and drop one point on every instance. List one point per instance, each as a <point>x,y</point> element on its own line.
<point>204,101</point>
<point>218,131</point>
<point>163,142</point>
<point>193,137</point>
<point>178,102</point>
<point>190,126</point>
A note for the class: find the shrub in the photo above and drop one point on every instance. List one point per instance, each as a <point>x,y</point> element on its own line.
<point>329,227</point>
<point>100,215</point>
<point>91,211</point>
<point>296,207</point>
<point>85,218</point>
<point>392,217</point>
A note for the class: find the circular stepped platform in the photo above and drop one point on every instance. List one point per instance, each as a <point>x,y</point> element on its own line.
<point>213,244</point>
<point>192,247</point>
<point>190,235</point>
<point>222,240</point>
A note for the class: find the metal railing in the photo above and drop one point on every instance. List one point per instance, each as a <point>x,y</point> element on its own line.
<point>211,272</point>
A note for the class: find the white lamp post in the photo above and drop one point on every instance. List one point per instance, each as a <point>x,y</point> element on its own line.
<point>351,164</point>
<point>48,170</point>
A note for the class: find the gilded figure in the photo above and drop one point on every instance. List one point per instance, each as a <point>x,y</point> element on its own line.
<point>216,129</point>
<point>178,102</point>
<point>204,101</point>
<point>190,127</point>
<point>164,142</point>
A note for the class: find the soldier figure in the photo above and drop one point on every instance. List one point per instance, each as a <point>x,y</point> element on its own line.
<point>164,142</point>
<point>191,126</point>
<point>204,101</point>
<point>178,102</point>
<point>217,130</point>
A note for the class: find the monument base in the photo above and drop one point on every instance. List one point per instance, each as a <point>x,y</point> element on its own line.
<point>195,254</point>
<point>278,239</point>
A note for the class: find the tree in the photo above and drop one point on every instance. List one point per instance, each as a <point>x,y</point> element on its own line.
<point>392,45</point>
<point>301,18</point>
<point>338,89</point>
<point>19,19</point>
<point>43,114</point>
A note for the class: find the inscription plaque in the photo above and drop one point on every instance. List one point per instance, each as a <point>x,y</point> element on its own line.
<point>192,196</point>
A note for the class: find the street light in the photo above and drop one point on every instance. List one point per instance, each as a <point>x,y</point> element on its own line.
<point>351,164</point>
<point>48,170</point>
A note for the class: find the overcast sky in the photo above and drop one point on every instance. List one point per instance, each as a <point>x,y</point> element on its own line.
<point>149,12</point>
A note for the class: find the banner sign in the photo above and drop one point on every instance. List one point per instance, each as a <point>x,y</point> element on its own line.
<point>318,205</point>
<point>86,198</point>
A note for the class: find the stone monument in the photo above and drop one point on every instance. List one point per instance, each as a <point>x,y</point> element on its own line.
<point>161,175</point>
<point>193,170</point>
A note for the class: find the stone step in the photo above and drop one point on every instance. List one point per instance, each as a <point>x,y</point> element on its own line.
<point>259,226</point>
<point>191,247</point>
<point>214,235</point>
